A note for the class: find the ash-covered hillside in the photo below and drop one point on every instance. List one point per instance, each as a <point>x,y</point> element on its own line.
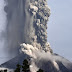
<point>27,37</point>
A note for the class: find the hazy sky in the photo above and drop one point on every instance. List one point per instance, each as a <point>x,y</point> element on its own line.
<point>60,27</point>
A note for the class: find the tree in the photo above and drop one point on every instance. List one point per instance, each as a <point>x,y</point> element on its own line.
<point>18,68</point>
<point>5,70</point>
<point>25,66</point>
<point>40,70</point>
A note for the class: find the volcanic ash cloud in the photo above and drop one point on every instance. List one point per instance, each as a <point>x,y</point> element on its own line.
<point>27,23</point>
<point>38,57</point>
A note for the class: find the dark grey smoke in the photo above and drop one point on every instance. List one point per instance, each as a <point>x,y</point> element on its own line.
<point>27,27</point>
<point>27,23</point>
<point>20,24</point>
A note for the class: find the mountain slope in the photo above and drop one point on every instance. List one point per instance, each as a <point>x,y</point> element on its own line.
<point>46,65</point>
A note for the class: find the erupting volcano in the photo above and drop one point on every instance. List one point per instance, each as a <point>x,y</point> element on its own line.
<point>26,37</point>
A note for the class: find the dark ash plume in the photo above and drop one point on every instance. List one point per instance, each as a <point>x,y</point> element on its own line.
<point>27,27</point>
<point>27,23</point>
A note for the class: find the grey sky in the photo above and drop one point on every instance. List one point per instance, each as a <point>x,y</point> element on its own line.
<point>60,27</point>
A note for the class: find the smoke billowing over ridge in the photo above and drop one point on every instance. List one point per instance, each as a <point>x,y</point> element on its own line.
<point>44,60</point>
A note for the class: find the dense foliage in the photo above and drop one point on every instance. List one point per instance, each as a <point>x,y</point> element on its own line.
<point>24,67</point>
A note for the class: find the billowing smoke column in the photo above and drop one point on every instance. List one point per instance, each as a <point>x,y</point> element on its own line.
<point>27,34</point>
<point>27,23</point>
<point>20,24</point>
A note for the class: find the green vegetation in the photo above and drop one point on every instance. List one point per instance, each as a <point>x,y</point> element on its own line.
<point>24,67</point>
<point>40,70</point>
<point>18,68</point>
<point>3,70</point>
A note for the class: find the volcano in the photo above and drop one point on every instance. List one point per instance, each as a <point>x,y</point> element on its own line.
<point>26,37</point>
